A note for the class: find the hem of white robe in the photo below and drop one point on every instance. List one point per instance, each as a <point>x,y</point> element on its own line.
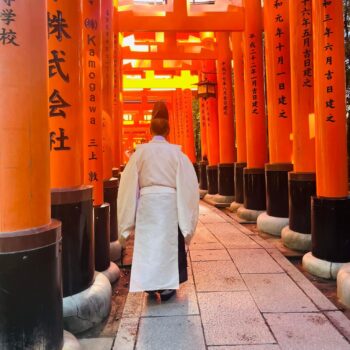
<point>155,287</point>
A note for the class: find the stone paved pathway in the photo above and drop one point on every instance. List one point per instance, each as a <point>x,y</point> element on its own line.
<point>242,294</point>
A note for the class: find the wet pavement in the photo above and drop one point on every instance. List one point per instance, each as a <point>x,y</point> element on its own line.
<point>242,293</point>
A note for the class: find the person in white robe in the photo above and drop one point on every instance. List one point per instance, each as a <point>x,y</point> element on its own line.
<point>158,198</point>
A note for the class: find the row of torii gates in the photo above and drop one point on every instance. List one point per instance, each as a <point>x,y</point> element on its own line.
<point>58,193</point>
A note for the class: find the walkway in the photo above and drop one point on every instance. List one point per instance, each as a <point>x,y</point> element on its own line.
<point>242,294</point>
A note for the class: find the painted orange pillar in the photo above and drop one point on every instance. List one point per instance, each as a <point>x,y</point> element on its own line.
<point>331,154</point>
<point>238,70</point>
<point>65,97</point>
<point>212,122</point>
<point>203,182</point>
<point>188,125</point>
<point>302,182</point>
<point>225,103</point>
<point>174,124</point>
<point>238,74</point>
<point>66,142</point>
<point>92,109</point>
<point>180,116</point>
<point>276,24</point>
<point>29,239</point>
<point>107,10</point>
<point>254,177</point>
<point>203,128</point>
<point>92,99</point>
<point>117,76</point>
<point>330,228</point>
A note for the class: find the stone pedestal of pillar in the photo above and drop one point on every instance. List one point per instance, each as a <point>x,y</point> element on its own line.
<point>343,285</point>
<point>212,179</point>
<point>239,186</point>
<point>196,169</point>
<point>330,230</point>
<point>226,185</point>
<point>203,181</point>
<point>110,194</point>
<point>302,186</point>
<point>73,207</point>
<point>30,289</point>
<point>254,194</point>
<point>102,243</point>
<point>277,207</point>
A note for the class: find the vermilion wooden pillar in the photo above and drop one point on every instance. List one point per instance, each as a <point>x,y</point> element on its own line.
<point>188,125</point>
<point>276,25</point>
<point>108,117</point>
<point>71,201</point>
<point>92,110</point>
<point>302,182</point>
<point>226,120</point>
<point>211,105</point>
<point>254,175</point>
<point>203,183</point>
<point>30,255</point>
<point>330,227</point>
<point>238,70</point>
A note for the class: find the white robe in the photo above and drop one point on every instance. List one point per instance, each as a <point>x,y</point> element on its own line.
<point>158,192</point>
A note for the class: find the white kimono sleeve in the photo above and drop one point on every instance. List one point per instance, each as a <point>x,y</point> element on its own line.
<point>187,197</point>
<point>128,195</point>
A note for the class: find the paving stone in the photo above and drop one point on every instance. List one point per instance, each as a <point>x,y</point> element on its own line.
<point>319,299</point>
<point>340,322</point>
<point>215,276</point>
<point>133,305</point>
<point>211,218</point>
<point>96,343</point>
<point>126,336</point>
<point>305,331</point>
<point>230,237</point>
<point>254,261</point>
<point>206,246</point>
<point>170,333</point>
<point>246,347</point>
<point>231,318</point>
<point>203,235</point>
<point>277,293</point>
<point>210,255</point>
<point>184,303</point>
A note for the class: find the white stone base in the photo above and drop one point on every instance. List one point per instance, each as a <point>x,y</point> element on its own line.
<point>112,273</point>
<point>321,268</point>
<point>220,199</point>
<point>88,308</point>
<point>248,214</point>
<point>209,198</point>
<point>296,240</point>
<point>70,342</point>
<point>115,250</point>
<point>234,206</point>
<point>202,193</point>
<point>271,224</point>
<point>343,285</point>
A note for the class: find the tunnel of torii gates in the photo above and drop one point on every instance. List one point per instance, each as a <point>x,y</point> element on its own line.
<point>79,78</point>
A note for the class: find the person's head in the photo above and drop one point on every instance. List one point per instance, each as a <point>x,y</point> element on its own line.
<point>160,119</point>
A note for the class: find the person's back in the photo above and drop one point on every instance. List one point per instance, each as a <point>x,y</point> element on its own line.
<point>157,163</point>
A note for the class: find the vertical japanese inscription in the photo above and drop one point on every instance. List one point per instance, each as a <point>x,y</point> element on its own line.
<point>58,31</point>
<point>8,17</point>
<point>329,50</point>
<point>281,56</point>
